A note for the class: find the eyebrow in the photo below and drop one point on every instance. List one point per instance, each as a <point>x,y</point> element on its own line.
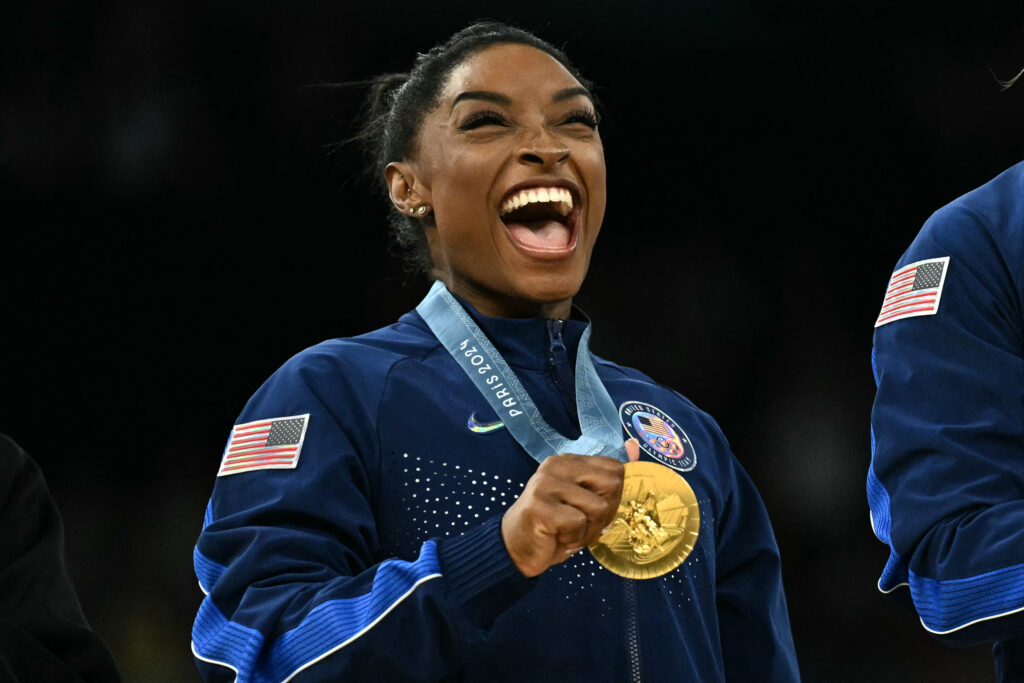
<point>569,93</point>
<point>484,95</point>
<point>498,98</point>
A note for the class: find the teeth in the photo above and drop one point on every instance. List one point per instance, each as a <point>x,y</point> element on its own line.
<point>535,195</point>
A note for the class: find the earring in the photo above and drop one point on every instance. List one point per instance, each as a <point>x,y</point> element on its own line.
<point>422,210</point>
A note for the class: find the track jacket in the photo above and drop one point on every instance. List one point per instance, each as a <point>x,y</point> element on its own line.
<point>362,540</point>
<point>946,483</point>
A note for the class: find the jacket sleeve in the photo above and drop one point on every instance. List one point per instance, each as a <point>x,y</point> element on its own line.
<point>290,559</point>
<point>757,643</point>
<point>946,482</point>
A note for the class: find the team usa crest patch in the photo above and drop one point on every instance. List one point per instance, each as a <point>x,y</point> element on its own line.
<point>659,435</point>
<point>272,444</point>
<point>914,290</point>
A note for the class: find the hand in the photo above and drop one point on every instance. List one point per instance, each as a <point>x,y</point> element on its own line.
<point>565,506</point>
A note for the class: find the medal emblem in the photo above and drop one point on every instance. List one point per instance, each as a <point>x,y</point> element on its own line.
<point>659,435</point>
<point>656,526</point>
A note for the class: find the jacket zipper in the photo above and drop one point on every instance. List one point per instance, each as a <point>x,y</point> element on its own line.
<point>632,632</point>
<point>558,361</point>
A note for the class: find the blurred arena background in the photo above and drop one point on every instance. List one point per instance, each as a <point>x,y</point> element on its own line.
<point>177,221</point>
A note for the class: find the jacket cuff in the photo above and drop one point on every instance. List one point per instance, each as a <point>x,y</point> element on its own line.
<point>479,572</point>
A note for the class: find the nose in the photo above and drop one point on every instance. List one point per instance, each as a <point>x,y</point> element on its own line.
<point>547,157</point>
<point>543,150</point>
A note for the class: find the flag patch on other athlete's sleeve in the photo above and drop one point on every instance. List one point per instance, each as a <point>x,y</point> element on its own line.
<point>272,444</point>
<point>914,290</point>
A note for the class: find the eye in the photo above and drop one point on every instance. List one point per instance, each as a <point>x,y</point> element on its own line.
<point>483,118</point>
<point>585,116</point>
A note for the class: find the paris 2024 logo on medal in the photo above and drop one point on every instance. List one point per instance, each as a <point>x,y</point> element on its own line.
<point>659,435</point>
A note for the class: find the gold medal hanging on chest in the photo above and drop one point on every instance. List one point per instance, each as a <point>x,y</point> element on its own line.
<point>656,527</point>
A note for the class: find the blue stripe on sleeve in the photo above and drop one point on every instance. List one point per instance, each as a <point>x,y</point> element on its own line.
<point>946,605</point>
<point>335,623</point>
<point>219,641</point>
<point>327,628</point>
<point>895,572</point>
<point>207,571</point>
<point>878,501</point>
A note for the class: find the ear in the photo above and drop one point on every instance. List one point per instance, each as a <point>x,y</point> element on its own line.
<point>403,186</point>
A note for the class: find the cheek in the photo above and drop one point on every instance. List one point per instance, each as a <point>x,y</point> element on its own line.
<point>460,187</point>
<point>590,161</point>
<point>597,180</point>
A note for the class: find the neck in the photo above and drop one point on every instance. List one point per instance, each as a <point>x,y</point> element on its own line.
<point>497,306</point>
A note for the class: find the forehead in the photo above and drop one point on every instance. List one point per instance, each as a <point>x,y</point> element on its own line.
<point>508,68</point>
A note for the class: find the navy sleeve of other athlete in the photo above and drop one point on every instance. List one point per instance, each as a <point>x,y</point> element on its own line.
<point>757,644</point>
<point>290,560</point>
<point>946,483</point>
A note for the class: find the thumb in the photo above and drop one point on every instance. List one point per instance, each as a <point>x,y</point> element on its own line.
<point>633,450</point>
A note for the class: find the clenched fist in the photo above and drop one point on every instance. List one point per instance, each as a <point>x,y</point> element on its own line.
<point>565,506</point>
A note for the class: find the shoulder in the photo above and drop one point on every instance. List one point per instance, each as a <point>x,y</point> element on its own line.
<point>985,222</point>
<point>632,385</point>
<point>343,377</point>
<point>366,357</point>
<point>962,271</point>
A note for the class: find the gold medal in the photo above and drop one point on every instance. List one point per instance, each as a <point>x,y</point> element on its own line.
<point>656,526</point>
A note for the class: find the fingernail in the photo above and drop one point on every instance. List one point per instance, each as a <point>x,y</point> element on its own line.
<point>606,529</point>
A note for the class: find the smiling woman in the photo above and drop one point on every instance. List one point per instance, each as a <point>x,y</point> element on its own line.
<point>513,170</point>
<point>469,494</point>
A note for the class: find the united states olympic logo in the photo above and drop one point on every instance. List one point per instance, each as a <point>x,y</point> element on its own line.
<point>659,435</point>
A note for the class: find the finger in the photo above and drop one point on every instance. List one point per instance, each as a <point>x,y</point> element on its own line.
<point>608,485</point>
<point>600,475</point>
<point>576,467</point>
<point>633,450</point>
<point>537,530</point>
<point>599,514</point>
<point>569,524</point>
<point>570,513</point>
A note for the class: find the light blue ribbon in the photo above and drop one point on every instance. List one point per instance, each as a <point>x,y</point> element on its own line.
<point>491,374</point>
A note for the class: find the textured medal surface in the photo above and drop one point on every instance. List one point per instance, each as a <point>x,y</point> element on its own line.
<point>656,526</point>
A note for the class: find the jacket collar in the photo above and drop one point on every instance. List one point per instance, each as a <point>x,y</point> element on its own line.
<point>523,342</point>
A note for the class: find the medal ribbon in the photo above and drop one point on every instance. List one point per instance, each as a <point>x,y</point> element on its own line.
<point>492,376</point>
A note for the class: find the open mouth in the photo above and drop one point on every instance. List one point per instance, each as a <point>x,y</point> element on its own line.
<point>541,219</point>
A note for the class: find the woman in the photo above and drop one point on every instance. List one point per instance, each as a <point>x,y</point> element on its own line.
<point>380,509</point>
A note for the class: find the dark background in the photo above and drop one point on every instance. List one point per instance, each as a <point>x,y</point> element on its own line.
<point>168,187</point>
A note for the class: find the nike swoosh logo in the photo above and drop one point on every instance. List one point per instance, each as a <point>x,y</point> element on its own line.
<point>483,428</point>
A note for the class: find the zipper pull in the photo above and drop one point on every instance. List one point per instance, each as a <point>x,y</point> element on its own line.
<point>557,351</point>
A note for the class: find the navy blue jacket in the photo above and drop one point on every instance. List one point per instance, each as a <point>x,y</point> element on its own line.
<point>380,554</point>
<point>946,483</point>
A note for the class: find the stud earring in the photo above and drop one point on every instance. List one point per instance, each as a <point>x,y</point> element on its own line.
<point>422,210</point>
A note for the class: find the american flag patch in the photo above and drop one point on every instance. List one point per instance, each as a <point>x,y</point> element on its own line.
<point>654,425</point>
<point>272,444</point>
<point>914,290</point>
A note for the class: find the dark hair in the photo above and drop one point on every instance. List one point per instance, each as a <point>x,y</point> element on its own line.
<point>398,103</point>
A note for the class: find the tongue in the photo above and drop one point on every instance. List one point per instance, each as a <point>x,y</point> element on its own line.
<point>542,233</point>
